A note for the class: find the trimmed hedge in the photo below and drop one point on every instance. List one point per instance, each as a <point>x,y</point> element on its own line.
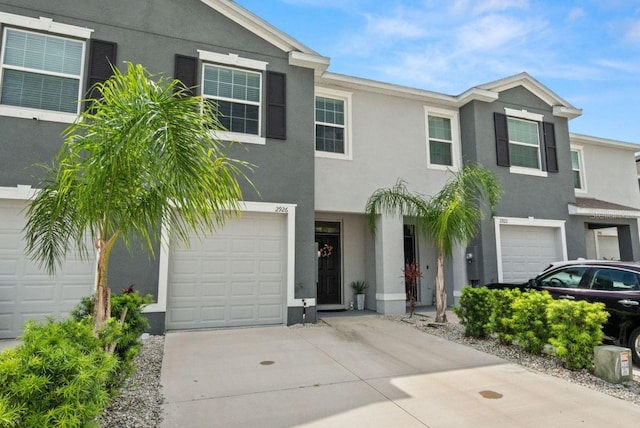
<point>474,311</point>
<point>529,320</point>
<point>501,320</point>
<point>576,328</point>
<point>533,319</point>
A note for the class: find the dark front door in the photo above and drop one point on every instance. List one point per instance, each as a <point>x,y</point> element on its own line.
<point>329,281</point>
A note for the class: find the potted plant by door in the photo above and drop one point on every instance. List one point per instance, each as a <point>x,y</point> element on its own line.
<point>359,287</point>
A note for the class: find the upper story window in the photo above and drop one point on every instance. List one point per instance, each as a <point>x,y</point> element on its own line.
<point>525,143</point>
<point>237,96</point>
<point>41,71</point>
<point>440,144</point>
<point>442,138</point>
<point>332,124</point>
<point>234,84</point>
<point>41,68</point>
<point>577,169</point>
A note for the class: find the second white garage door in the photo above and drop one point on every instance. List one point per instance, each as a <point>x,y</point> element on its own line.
<point>234,277</point>
<point>527,250</point>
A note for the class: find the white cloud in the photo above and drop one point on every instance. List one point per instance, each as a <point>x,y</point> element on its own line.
<point>495,31</point>
<point>575,14</point>
<point>632,32</point>
<point>397,26</point>
<point>479,7</point>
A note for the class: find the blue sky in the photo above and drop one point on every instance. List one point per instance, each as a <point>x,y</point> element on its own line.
<point>586,51</point>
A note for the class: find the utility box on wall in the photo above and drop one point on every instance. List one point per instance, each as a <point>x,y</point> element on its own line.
<point>613,363</point>
<point>473,271</point>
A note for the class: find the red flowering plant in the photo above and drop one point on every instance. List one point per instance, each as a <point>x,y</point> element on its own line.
<point>411,275</point>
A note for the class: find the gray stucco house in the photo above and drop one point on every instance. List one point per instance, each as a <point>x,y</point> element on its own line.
<point>261,268</point>
<point>320,143</point>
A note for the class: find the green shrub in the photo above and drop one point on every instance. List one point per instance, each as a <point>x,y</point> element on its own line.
<point>56,377</point>
<point>529,320</point>
<point>501,320</point>
<point>576,328</point>
<point>474,311</point>
<point>125,336</point>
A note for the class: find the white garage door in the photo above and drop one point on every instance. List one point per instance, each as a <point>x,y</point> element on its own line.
<point>234,277</point>
<point>28,292</point>
<point>527,250</point>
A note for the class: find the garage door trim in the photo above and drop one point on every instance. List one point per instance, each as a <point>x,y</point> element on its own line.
<point>288,210</point>
<point>530,221</point>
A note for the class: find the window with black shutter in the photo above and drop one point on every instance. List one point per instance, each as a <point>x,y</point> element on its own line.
<point>525,142</point>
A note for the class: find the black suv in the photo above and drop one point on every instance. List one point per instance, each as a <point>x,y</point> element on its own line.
<point>616,284</point>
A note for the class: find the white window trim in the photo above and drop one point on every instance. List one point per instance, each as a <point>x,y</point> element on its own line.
<point>529,221</point>
<point>46,25</point>
<point>57,29</point>
<point>528,171</point>
<point>453,116</point>
<point>534,117</point>
<point>523,114</point>
<point>348,134</point>
<point>235,61</point>
<point>288,210</point>
<point>232,60</point>
<point>583,176</point>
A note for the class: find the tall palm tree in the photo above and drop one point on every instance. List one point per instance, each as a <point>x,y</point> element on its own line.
<point>450,218</point>
<point>143,155</point>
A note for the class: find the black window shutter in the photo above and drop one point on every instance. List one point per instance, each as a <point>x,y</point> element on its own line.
<point>502,139</point>
<point>550,146</point>
<point>186,71</point>
<point>102,55</point>
<point>276,105</point>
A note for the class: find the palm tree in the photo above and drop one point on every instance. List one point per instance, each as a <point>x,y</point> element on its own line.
<point>450,218</point>
<point>143,155</point>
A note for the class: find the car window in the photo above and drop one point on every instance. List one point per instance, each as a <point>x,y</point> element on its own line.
<point>614,280</point>
<point>568,277</point>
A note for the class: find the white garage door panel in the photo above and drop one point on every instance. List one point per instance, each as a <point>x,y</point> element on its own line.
<point>28,292</point>
<point>527,250</point>
<point>235,277</point>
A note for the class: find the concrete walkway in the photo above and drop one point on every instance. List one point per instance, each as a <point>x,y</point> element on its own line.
<point>363,372</point>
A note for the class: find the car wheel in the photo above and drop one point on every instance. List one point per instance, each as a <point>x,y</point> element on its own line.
<point>634,344</point>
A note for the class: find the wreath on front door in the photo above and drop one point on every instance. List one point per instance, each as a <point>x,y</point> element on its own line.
<point>325,251</point>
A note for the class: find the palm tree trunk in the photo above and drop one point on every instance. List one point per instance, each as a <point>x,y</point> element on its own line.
<point>441,296</point>
<point>102,307</point>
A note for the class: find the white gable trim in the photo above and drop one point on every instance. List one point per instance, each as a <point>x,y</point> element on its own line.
<point>560,106</point>
<point>258,26</point>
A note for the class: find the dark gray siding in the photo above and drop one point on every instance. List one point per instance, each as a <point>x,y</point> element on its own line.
<point>524,195</point>
<point>152,32</point>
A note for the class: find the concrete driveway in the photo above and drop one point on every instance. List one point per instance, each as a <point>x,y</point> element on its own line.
<point>363,372</point>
